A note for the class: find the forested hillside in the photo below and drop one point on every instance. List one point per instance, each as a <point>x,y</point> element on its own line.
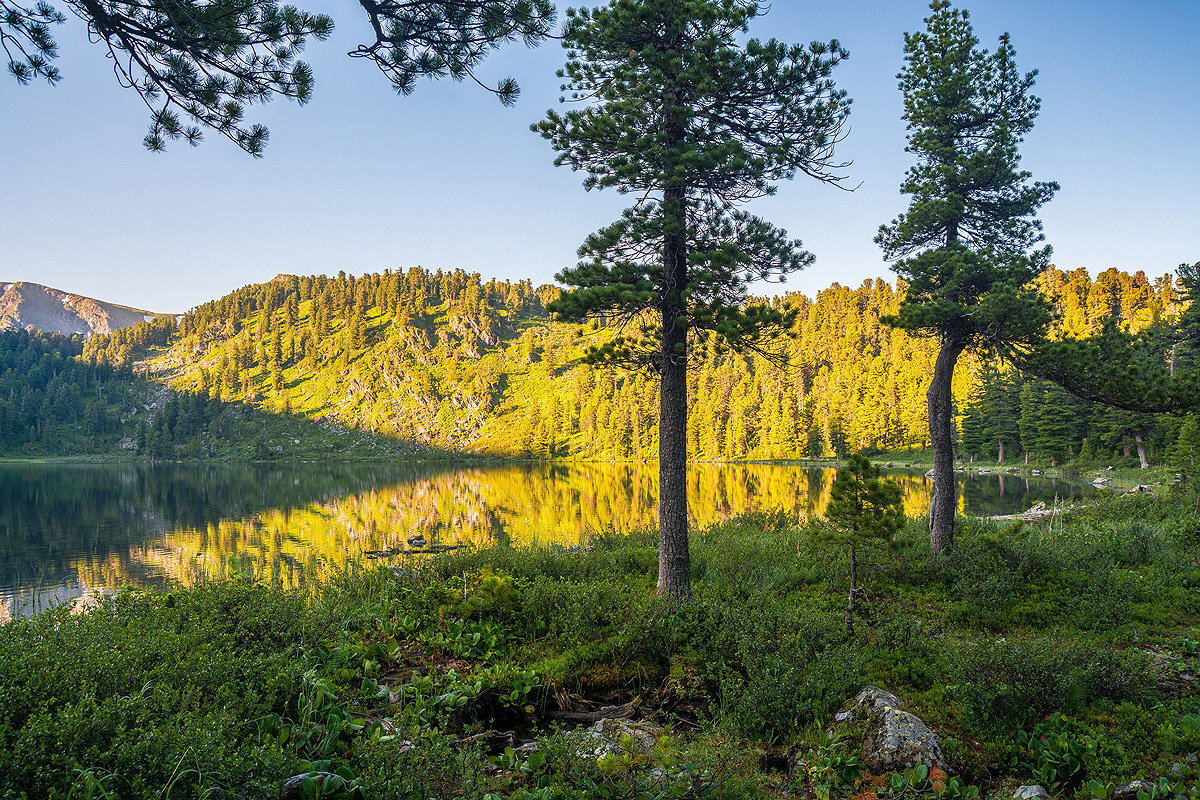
<point>449,360</point>
<point>55,403</point>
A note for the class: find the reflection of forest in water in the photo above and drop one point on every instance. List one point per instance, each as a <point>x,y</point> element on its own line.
<point>67,531</point>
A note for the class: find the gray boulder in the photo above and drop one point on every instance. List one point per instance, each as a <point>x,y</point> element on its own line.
<point>897,740</point>
<point>871,700</point>
<point>893,739</point>
<point>605,737</point>
<point>1034,792</point>
<point>1129,791</point>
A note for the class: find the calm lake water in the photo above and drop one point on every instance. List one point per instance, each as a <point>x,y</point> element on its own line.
<point>71,532</point>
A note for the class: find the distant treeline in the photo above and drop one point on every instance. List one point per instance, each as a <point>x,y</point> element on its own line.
<point>467,365</point>
<point>51,400</point>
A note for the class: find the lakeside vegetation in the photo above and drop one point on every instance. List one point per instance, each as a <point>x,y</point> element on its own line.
<point>770,654</point>
<point>395,677</point>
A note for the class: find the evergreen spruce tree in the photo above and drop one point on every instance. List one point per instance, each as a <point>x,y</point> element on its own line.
<point>1126,429</point>
<point>991,423</point>
<point>966,244</point>
<point>865,510</point>
<point>694,123</point>
<point>1186,454</point>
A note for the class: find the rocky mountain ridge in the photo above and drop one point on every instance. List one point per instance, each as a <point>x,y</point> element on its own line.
<point>33,306</point>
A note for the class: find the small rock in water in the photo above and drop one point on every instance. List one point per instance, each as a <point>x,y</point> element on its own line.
<point>416,541</point>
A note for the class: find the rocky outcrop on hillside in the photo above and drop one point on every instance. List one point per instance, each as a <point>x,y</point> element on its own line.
<point>31,305</point>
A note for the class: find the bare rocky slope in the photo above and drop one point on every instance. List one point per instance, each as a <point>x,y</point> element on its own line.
<point>31,305</point>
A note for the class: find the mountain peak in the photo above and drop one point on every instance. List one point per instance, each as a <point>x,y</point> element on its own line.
<point>31,305</point>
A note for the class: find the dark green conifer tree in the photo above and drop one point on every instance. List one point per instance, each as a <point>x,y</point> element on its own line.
<point>991,425</point>
<point>865,510</point>
<point>1185,456</point>
<point>1051,421</point>
<point>693,122</point>
<point>966,244</point>
<point>1125,430</point>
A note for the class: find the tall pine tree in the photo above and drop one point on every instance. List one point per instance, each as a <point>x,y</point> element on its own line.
<point>694,123</point>
<point>966,243</point>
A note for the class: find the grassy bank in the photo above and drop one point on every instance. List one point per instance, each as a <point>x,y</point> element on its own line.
<point>410,680</point>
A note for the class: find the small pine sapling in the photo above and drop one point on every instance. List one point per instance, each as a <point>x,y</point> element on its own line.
<point>864,511</point>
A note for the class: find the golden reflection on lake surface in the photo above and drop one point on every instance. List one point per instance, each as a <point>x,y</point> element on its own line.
<point>68,532</point>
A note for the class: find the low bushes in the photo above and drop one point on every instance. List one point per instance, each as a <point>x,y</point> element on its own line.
<point>381,674</point>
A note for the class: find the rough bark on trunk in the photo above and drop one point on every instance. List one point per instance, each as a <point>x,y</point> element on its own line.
<point>674,563</point>
<point>941,436</point>
<point>1000,460</point>
<point>1141,448</point>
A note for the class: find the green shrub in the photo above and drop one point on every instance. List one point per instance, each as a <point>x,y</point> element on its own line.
<point>1183,732</point>
<point>1061,753</point>
<point>775,674</point>
<point>1005,685</point>
<point>902,654</point>
<point>150,691</point>
<point>989,570</point>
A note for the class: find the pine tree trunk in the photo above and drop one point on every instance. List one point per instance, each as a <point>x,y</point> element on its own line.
<point>674,564</point>
<point>1141,448</point>
<point>1000,460</point>
<point>941,436</point>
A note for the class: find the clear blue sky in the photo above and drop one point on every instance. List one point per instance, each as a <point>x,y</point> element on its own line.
<point>362,179</point>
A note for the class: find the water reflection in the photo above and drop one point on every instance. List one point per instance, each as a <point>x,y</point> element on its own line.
<point>68,532</point>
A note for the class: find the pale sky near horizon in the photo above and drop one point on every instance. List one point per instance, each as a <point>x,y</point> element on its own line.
<point>364,180</point>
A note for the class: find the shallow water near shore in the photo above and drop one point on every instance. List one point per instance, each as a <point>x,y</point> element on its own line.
<point>71,532</point>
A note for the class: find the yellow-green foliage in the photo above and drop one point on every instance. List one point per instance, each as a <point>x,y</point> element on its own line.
<point>451,361</point>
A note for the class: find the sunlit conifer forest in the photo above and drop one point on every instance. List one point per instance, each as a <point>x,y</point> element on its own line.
<point>448,362</point>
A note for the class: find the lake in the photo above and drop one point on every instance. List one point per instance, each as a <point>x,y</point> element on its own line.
<point>69,533</point>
